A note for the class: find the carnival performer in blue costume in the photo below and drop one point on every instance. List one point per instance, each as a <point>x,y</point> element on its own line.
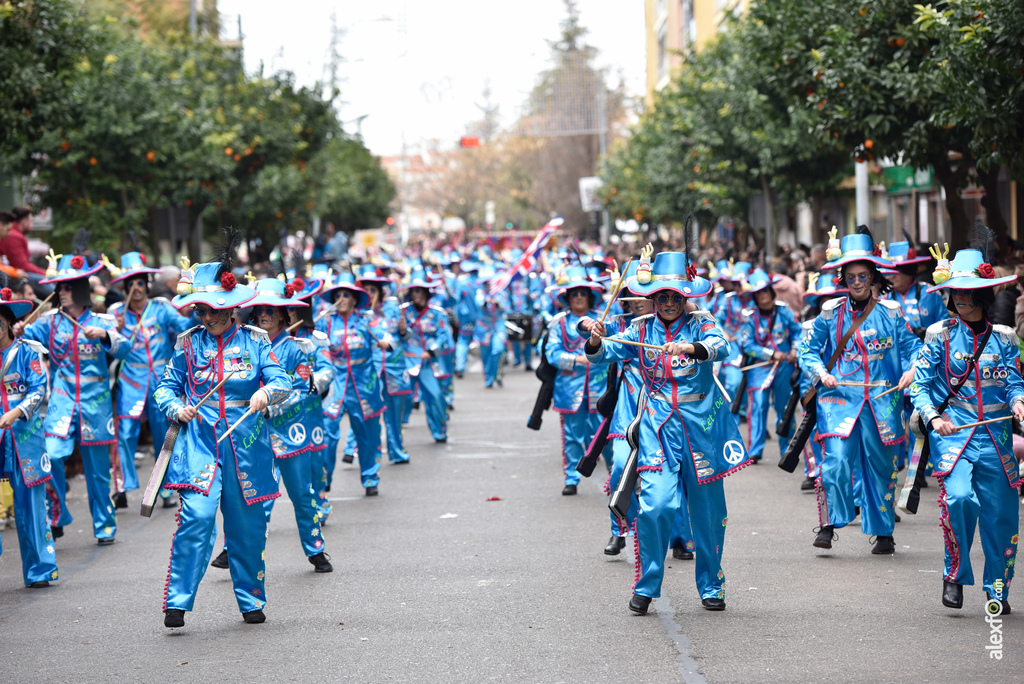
<point>976,467</point>
<point>578,385</point>
<point>23,457</point>
<point>80,410</point>
<point>729,314</point>
<point>689,440</point>
<point>769,332</point>
<point>427,336</point>
<point>817,294</point>
<point>521,303</point>
<point>151,326</point>
<point>210,467</point>
<point>383,315</point>
<point>490,332</point>
<point>296,432</point>
<point>467,311</point>
<point>356,389</point>
<point>860,432</point>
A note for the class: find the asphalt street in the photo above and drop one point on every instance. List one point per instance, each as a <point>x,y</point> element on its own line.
<point>470,566</point>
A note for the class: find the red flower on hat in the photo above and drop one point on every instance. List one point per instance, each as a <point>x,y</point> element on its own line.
<point>911,253</point>
<point>289,290</point>
<point>878,251</point>
<point>6,294</point>
<point>836,280</point>
<point>142,258</point>
<point>986,271</point>
<point>691,271</point>
<point>77,262</point>
<point>228,282</point>
<point>299,284</point>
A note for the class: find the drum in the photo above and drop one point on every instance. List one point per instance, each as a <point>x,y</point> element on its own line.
<point>524,323</point>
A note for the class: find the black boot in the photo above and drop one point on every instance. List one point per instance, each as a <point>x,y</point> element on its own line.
<point>807,485</point>
<point>826,535</point>
<point>254,617</point>
<point>120,500</point>
<point>174,618</point>
<point>569,490</point>
<point>220,561</point>
<point>105,541</point>
<point>713,603</point>
<point>898,518</point>
<point>615,545</point>
<point>952,594</point>
<point>371,491</point>
<point>1004,602</point>
<point>321,562</point>
<point>57,531</point>
<point>169,502</point>
<point>639,604</point>
<point>347,458</point>
<point>679,552</point>
<point>884,546</point>
<point>39,585</point>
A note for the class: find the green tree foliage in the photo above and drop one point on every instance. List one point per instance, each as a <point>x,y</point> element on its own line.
<point>356,191</point>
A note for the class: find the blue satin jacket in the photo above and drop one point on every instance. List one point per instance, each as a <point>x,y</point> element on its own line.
<point>79,380</point>
<point>683,388</point>
<point>761,336</point>
<point>200,361</point>
<point>466,309</point>
<point>574,380</point>
<point>24,388</point>
<point>880,351</point>
<point>150,348</point>
<point>390,364</point>
<point>492,318</point>
<point>993,386</point>
<point>920,307</point>
<point>352,348</point>
<point>632,383</point>
<point>427,330</point>
<point>296,424</point>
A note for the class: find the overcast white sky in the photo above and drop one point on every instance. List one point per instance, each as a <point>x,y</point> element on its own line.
<point>416,68</point>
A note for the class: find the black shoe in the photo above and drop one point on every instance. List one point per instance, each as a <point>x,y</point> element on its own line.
<point>639,604</point>
<point>254,617</point>
<point>169,502</point>
<point>569,490</point>
<point>106,541</point>
<point>884,546</point>
<point>405,462</point>
<point>57,531</point>
<point>120,500</point>
<point>443,440</point>
<point>220,561</point>
<point>615,545</point>
<point>1004,602</point>
<point>679,552</point>
<point>826,535</point>
<point>713,603</point>
<point>898,518</point>
<point>347,458</point>
<point>371,491</point>
<point>458,374</point>
<point>952,594</point>
<point>451,407</point>
<point>856,511</point>
<point>754,460</point>
<point>327,488</point>
<point>174,618</point>
<point>415,406</point>
<point>39,585</point>
<point>924,483</point>
<point>807,485</point>
<point>321,563</point>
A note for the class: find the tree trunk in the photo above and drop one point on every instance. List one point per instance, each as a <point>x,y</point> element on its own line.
<point>815,220</point>
<point>996,220</point>
<point>771,231</point>
<point>952,180</point>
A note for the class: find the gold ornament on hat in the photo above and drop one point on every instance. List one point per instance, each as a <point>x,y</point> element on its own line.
<point>53,259</point>
<point>942,271</point>
<point>643,271</point>
<point>834,251</point>
<point>185,283</point>
<point>114,270</point>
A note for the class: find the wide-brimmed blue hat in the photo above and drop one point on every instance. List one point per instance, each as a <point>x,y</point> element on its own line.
<point>368,274</point>
<point>722,269</point>
<point>578,277</point>
<point>418,278</point>
<point>71,267</point>
<point>857,247</point>
<point>738,271</point>
<point>17,307</point>
<point>306,287</point>
<point>903,254</point>
<point>630,278</point>
<point>668,272</point>
<point>132,264</point>
<point>275,292</point>
<point>346,281</point>
<point>201,284</point>
<point>824,285</point>
<point>759,280</point>
<point>967,272</point>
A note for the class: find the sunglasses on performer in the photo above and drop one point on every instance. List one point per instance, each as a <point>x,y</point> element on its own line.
<point>579,293</point>
<point>665,298</point>
<point>202,311</point>
<point>858,277</point>
<point>258,311</point>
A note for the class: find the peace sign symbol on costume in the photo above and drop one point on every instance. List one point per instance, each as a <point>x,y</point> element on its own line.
<point>733,452</point>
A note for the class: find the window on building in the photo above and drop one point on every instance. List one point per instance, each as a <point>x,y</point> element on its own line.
<point>687,25</point>
<point>663,52</point>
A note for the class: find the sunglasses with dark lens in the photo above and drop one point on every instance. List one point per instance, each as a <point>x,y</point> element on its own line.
<point>202,311</point>
<point>579,293</point>
<point>858,277</point>
<point>64,286</point>
<point>344,294</point>
<point>664,298</point>
<point>258,311</point>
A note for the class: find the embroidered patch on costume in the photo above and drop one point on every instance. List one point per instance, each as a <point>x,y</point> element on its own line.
<point>37,367</point>
<point>272,358</point>
<point>707,326</point>
<point>303,371</point>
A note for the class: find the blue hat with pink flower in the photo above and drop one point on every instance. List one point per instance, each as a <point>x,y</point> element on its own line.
<point>347,281</point>
<point>276,292</point>
<point>214,283</point>
<point>670,271</point>
<point>132,264</point>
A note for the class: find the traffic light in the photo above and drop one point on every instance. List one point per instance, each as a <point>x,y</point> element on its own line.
<point>390,220</point>
<point>470,141</point>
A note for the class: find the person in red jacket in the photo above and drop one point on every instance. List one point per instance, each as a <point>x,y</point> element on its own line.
<point>14,246</point>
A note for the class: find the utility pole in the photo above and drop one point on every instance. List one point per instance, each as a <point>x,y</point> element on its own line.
<point>193,26</point>
<point>863,208</point>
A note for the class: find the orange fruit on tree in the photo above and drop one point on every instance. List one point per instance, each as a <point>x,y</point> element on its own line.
<point>869,144</point>
<point>228,151</point>
<point>151,156</point>
<point>92,161</point>
<point>900,42</point>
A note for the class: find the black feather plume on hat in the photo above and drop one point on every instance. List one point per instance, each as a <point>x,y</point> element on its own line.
<point>227,250</point>
<point>864,230</point>
<point>983,239</point>
<point>80,243</point>
<point>686,238</point>
<point>299,263</point>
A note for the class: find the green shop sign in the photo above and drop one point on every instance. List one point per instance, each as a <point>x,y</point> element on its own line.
<point>902,180</point>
